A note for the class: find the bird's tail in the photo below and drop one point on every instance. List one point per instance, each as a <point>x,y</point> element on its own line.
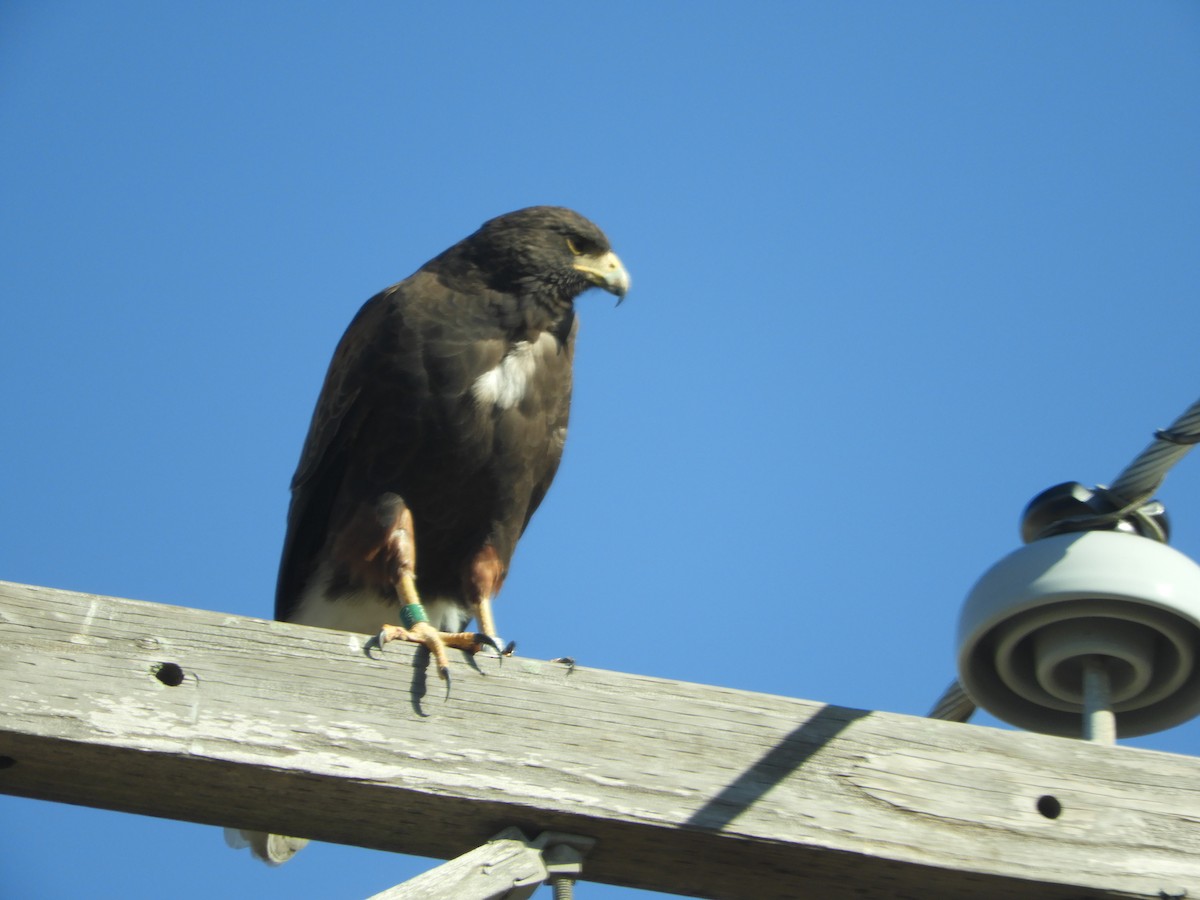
<point>273,849</point>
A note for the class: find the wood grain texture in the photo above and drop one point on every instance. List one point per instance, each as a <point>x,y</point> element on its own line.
<point>505,868</point>
<point>697,790</point>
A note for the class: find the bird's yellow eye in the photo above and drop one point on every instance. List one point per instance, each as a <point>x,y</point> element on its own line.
<point>573,246</point>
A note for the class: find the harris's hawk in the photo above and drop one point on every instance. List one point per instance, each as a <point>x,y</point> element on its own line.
<point>436,435</point>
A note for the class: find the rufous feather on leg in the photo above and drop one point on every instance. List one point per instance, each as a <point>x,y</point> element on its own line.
<point>484,579</point>
<point>398,555</point>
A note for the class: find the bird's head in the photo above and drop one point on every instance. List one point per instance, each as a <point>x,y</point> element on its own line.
<point>544,249</point>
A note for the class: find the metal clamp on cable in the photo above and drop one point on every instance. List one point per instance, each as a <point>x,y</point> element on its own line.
<point>1072,507</point>
<point>1093,627</point>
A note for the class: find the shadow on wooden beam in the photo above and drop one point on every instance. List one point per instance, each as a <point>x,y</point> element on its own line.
<point>686,788</point>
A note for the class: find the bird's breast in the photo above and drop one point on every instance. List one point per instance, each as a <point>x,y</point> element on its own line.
<point>506,384</point>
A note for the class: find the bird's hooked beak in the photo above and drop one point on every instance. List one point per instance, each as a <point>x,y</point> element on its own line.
<point>605,271</point>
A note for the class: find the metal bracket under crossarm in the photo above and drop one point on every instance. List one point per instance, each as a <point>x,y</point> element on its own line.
<point>508,867</point>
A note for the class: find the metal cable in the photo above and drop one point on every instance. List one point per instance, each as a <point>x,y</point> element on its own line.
<point>1135,485</point>
<point>953,706</point>
<point>1142,477</point>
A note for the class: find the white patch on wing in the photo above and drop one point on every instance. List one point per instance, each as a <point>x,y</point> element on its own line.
<point>504,385</point>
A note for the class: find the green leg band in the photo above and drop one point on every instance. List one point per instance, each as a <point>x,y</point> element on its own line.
<point>412,613</point>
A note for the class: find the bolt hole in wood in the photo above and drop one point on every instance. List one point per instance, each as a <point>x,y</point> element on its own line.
<point>169,674</point>
<point>1049,806</point>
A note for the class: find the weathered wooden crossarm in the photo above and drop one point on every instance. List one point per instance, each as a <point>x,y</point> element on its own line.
<point>690,789</point>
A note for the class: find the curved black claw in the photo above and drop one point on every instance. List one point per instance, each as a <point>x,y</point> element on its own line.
<point>375,642</point>
<point>494,643</point>
<point>486,640</point>
<point>444,674</point>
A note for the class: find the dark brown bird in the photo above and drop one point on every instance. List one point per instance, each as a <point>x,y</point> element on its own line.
<point>437,433</point>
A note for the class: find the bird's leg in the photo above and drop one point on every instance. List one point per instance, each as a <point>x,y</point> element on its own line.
<point>398,554</point>
<point>484,578</point>
<point>483,615</point>
<point>420,631</point>
<point>400,558</point>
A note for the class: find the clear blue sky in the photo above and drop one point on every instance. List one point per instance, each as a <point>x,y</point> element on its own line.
<point>897,268</point>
